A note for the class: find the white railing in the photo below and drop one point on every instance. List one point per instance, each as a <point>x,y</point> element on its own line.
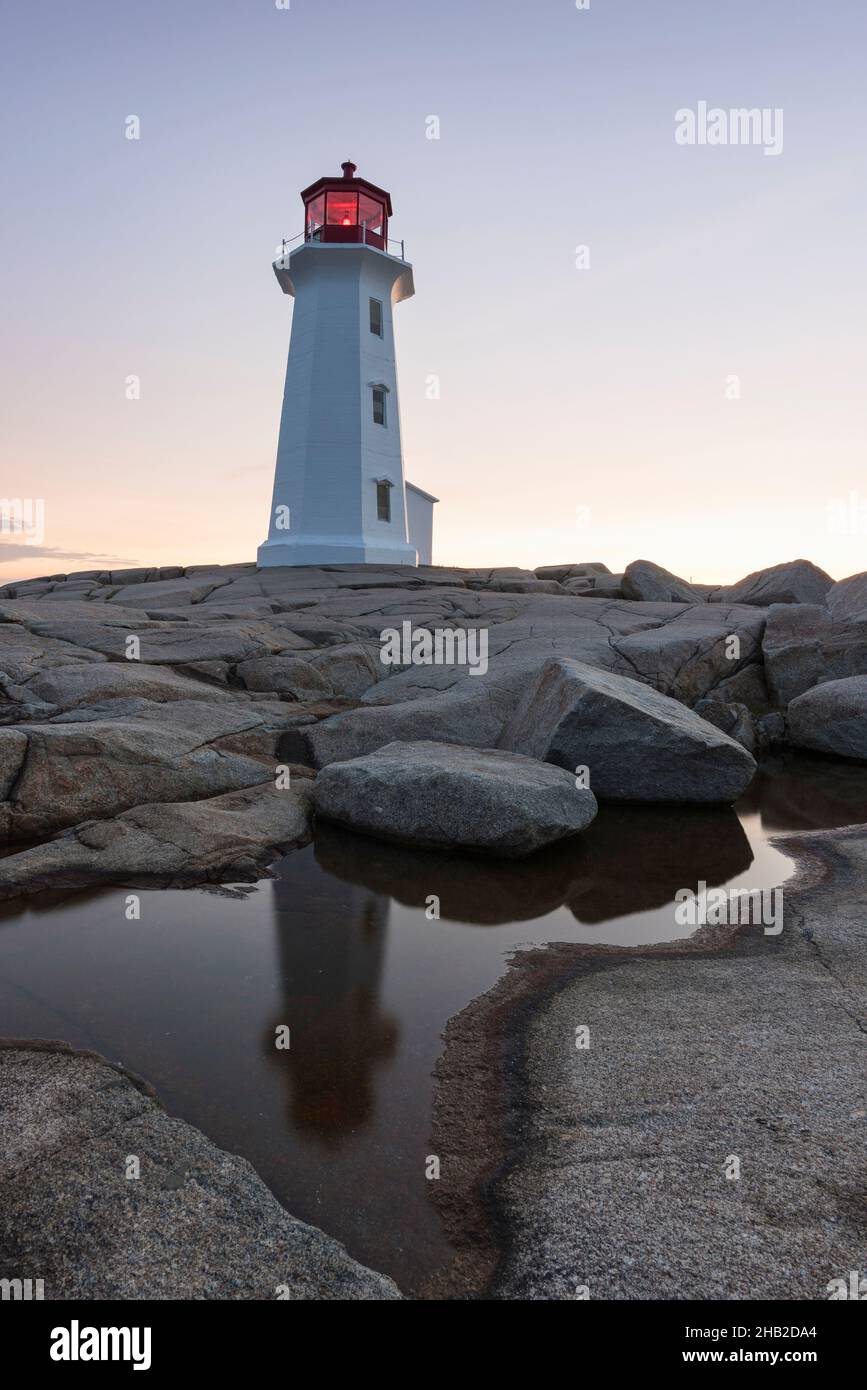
<point>312,236</point>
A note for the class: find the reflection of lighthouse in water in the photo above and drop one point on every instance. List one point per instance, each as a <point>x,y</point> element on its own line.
<point>331,940</point>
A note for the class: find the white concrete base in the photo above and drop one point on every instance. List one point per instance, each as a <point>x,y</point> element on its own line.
<point>325,550</point>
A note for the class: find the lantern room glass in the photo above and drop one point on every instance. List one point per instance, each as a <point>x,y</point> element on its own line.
<point>370,214</point>
<point>342,209</point>
<point>342,214</point>
<point>315,213</point>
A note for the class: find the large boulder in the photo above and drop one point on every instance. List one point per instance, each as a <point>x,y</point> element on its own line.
<point>653,584</point>
<point>803,645</point>
<point>832,718</point>
<point>847,600</point>
<point>797,581</point>
<point>637,744</point>
<point>446,794</point>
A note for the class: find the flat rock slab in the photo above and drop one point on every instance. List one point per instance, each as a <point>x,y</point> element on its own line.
<point>444,794</point>
<point>198,1223</point>
<point>171,844</point>
<point>73,771</point>
<point>638,745</point>
<point>832,718</point>
<point>91,683</point>
<point>473,714</point>
<point>615,1174</point>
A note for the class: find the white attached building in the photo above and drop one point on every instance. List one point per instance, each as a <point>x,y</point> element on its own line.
<point>419,521</point>
<point>340,496</point>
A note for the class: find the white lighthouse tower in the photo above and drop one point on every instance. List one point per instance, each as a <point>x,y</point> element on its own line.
<point>339,488</point>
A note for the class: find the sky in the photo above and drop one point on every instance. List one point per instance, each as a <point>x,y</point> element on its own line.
<point>688,388</point>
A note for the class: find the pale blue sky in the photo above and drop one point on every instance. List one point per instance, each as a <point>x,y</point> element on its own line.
<point>583,414</point>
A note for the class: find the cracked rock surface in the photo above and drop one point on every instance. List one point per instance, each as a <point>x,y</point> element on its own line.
<point>125,689</point>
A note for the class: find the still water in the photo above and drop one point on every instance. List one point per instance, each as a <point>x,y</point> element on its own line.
<point>338,948</point>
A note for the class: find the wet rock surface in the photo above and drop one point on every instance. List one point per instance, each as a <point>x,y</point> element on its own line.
<point>195,1223</point>
<point>604,1169</point>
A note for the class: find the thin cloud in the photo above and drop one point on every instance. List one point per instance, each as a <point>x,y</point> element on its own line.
<point>17,550</point>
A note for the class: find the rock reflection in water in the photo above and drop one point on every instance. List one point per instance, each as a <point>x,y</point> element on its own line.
<point>635,859</point>
<point>632,859</point>
<point>807,792</point>
<point>487,892</point>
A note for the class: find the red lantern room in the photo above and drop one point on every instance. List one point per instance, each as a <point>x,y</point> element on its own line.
<point>347,209</point>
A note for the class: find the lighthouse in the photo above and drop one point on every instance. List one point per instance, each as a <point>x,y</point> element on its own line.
<point>340,496</point>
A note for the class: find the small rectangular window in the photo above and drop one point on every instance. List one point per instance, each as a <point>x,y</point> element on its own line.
<point>383,501</point>
<point>376,317</point>
<point>379,405</point>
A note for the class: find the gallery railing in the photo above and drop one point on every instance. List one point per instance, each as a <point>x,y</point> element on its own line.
<point>363,235</point>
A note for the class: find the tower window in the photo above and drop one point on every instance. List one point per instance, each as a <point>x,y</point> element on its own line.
<point>383,501</point>
<point>379,405</point>
<point>376,317</point>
